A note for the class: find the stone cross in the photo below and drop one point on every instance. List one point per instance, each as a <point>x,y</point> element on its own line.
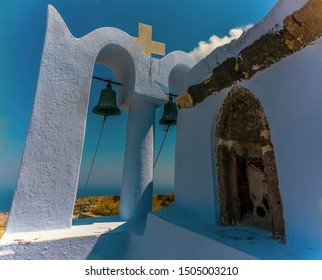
<point>145,41</point>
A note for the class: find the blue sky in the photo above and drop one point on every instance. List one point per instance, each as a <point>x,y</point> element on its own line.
<point>180,24</point>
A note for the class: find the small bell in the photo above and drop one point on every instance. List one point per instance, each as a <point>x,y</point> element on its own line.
<point>107,103</point>
<point>170,112</point>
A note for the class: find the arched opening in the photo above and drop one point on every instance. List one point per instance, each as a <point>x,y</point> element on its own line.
<point>164,170</point>
<point>163,177</point>
<point>101,196</point>
<point>246,169</point>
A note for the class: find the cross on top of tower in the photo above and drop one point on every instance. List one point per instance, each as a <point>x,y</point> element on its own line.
<point>145,41</point>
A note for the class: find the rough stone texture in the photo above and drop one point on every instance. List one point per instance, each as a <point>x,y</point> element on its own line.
<point>274,201</point>
<point>247,174</point>
<point>185,101</point>
<point>62,249</point>
<point>303,26</point>
<point>269,49</point>
<point>299,30</point>
<point>223,76</point>
<point>250,125</point>
<point>264,52</point>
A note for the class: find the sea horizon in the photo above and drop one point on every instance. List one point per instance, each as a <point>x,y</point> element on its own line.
<point>7,192</point>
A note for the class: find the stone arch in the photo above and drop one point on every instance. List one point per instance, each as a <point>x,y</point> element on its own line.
<point>247,174</point>
<point>177,78</point>
<point>120,61</point>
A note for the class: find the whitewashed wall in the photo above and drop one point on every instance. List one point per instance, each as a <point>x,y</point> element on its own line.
<point>290,93</point>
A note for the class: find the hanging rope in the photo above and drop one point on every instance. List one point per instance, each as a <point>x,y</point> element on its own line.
<point>80,209</point>
<point>166,132</point>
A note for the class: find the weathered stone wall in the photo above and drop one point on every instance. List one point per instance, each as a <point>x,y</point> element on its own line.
<point>247,175</point>
<point>289,92</point>
<point>299,29</point>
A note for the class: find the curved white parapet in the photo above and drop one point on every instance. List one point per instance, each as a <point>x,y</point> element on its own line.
<point>49,172</point>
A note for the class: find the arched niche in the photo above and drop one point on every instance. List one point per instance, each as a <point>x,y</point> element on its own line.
<point>248,188</point>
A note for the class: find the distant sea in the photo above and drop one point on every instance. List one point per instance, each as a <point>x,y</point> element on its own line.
<point>6,193</point>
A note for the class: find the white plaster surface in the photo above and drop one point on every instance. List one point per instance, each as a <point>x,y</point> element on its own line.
<point>137,179</point>
<point>94,229</point>
<point>76,242</point>
<point>169,237</point>
<point>161,239</point>
<point>289,94</point>
<point>195,174</point>
<point>48,177</point>
<point>62,249</point>
<point>169,234</point>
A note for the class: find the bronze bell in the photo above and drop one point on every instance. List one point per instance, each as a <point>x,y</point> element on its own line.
<point>107,103</point>
<point>170,112</point>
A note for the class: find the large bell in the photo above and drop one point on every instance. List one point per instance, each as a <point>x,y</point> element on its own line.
<point>170,113</point>
<point>107,103</point>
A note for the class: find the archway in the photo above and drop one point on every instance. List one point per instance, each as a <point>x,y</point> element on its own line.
<point>247,174</point>
<point>164,176</point>
<point>103,177</point>
<point>99,186</point>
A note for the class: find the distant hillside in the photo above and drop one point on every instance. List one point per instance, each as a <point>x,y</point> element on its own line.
<point>109,205</point>
<point>3,221</point>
